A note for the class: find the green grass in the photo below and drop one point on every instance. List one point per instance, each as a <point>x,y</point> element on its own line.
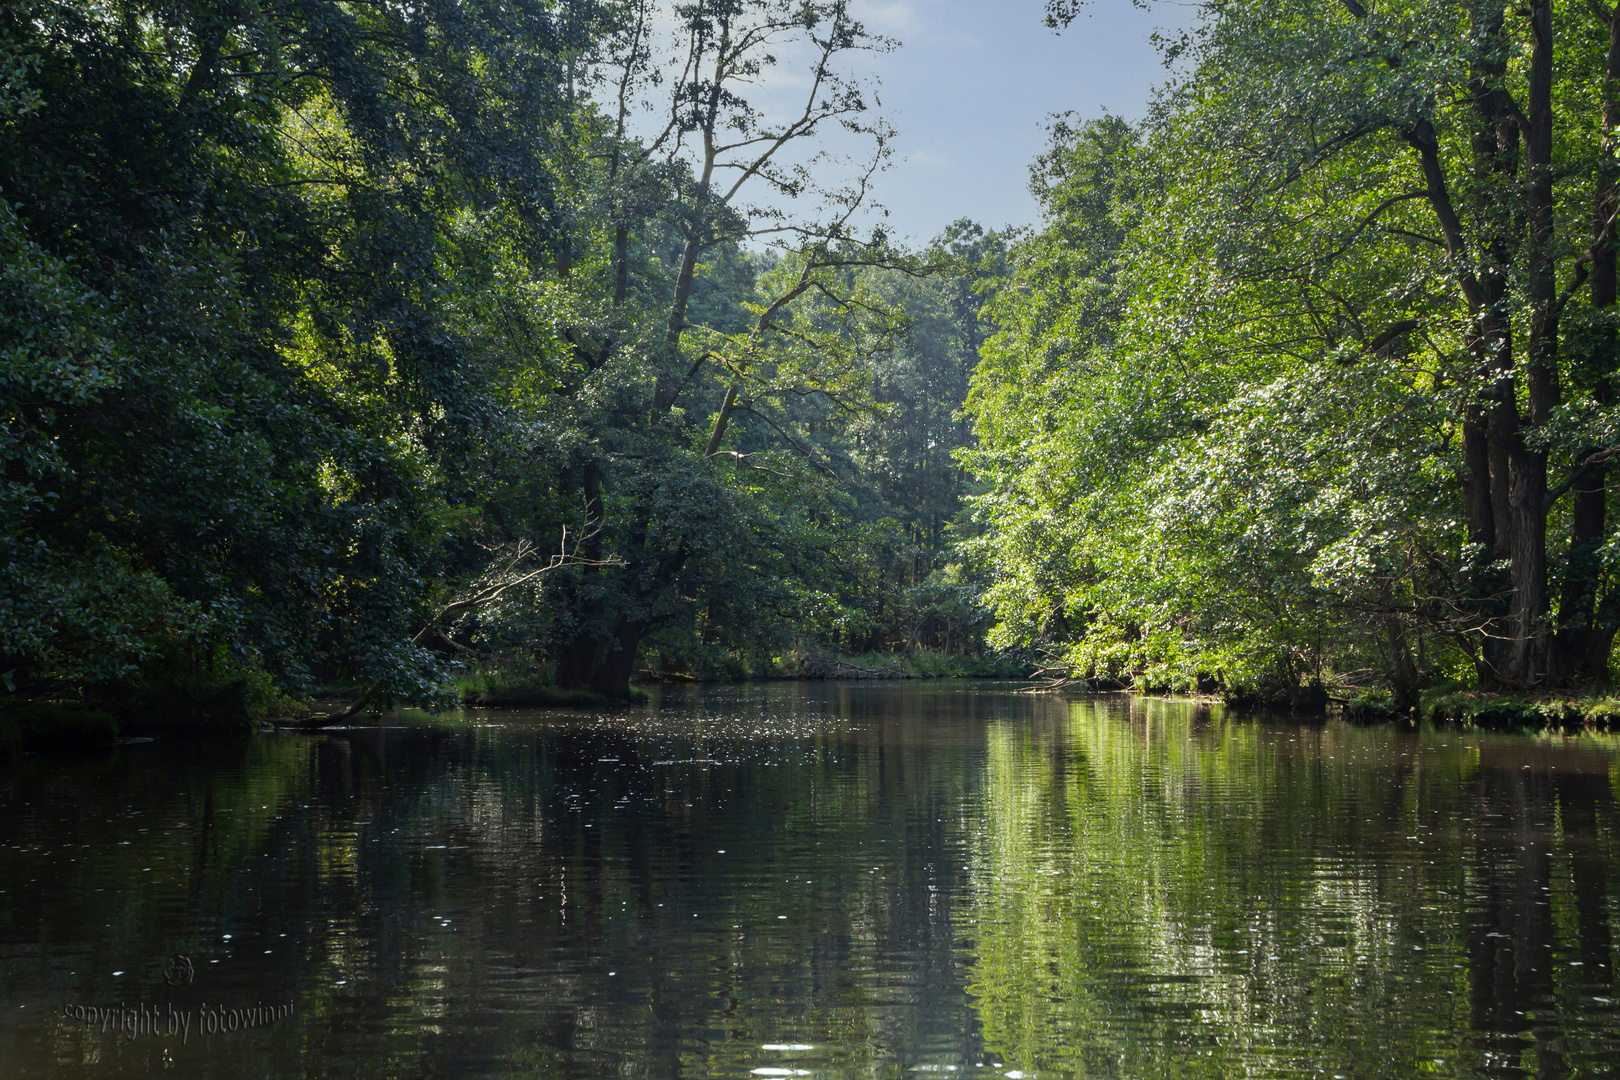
<point>518,689</point>
<point>540,697</point>
<point>932,664</point>
<point>1474,708</point>
<point>1371,703</point>
<point>1461,704</point>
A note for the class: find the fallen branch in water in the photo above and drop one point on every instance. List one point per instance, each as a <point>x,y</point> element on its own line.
<point>1052,678</point>
<point>311,723</point>
<point>1042,686</point>
<point>505,573</point>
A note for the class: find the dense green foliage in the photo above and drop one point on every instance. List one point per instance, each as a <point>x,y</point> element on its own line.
<point>1309,376</point>
<point>341,344</point>
<point>241,363</point>
<point>344,349</point>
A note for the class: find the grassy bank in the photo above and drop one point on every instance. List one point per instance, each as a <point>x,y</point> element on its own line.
<point>1453,703</point>
<point>931,664</point>
<point>524,688</point>
<point>1597,712</point>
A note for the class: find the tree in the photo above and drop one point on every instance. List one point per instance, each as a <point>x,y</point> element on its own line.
<point>244,349</point>
<point>1356,248</point>
<point>662,483</point>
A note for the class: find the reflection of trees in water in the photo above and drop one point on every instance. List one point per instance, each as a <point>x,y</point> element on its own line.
<point>360,844</point>
<point>804,809</point>
<point>1118,865</point>
<point>1532,818</point>
<point>1180,895</point>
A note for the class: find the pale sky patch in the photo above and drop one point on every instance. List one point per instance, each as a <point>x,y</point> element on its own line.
<point>974,85</point>
<point>970,92</point>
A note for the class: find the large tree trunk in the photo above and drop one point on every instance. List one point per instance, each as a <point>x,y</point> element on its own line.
<point>595,659</point>
<point>1477,481</point>
<point>1405,679</point>
<point>1491,427</point>
<point>603,663</point>
<point>1528,657</point>
<point>580,660</point>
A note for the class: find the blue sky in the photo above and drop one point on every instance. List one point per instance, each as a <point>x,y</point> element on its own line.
<point>974,83</point>
<point>970,90</point>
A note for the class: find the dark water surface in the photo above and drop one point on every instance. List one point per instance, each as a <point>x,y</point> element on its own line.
<point>820,880</point>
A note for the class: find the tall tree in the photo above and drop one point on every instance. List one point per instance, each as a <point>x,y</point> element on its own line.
<point>661,486</point>
<point>1363,229</point>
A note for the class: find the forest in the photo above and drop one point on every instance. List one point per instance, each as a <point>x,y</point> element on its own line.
<point>1308,379</point>
<point>366,353</point>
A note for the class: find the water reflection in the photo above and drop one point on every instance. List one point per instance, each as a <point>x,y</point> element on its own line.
<point>819,879</point>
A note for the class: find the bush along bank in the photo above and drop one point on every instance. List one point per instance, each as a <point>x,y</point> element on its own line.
<point>170,697</point>
<point>1464,706</point>
<point>1452,703</point>
<point>811,662</point>
<point>934,664</point>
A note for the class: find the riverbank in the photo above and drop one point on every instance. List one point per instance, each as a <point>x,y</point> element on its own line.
<point>1466,707</point>
<point>933,664</point>
<point>522,685</point>
<point>64,725</point>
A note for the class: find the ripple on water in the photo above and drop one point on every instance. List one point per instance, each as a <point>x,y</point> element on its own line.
<point>812,879</point>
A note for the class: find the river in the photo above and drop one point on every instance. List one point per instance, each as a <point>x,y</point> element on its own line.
<point>817,879</point>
